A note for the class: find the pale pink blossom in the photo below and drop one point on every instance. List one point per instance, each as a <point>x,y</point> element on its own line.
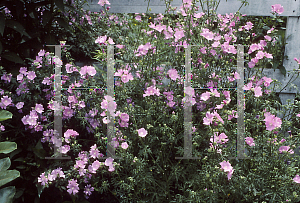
<point>250,141</point>
<point>102,2</point>
<point>142,132</point>
<point>296,179</point>
<point>257,91</point>
<point>285,148</point>
<point>124,145</point>
<point>277,8</point>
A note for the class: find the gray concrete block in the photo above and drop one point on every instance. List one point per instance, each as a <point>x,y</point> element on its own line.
<point>255,7</point>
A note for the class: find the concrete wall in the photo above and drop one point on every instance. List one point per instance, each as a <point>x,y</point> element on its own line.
<point>255,7</point>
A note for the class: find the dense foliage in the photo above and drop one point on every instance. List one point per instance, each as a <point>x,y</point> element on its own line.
<point>149,170</point>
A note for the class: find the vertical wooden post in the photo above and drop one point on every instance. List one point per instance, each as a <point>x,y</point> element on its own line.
<point>110,92</point>
<point>188,145</point>
<point>57,107</point>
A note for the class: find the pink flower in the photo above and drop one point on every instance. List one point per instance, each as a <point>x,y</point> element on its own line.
<point>95,165</point>
<point>80,164</point>
<point>286,149</point>
<point>41,52</point>
<point>268,37</point>
<point>215,92</point>
<point>236,75</point>
<point>199,15</point>
<point>298,60</point>
<point>248,26</point>
<point>109,162</point>
<point>23,70</point>
<point>151,91</point>
<point>70,133</point>
<point>91,70</point>
<point>110,41</point>
<point>64,149</point>
<point>31,75</point>
<point>260,55</point>
<point>190,91</point>
<point>257,91</point>
<point>277,8</point>
<point>218,117</point>
<point>208,119</point>
<point>250,141</point>
<point>205,96</point>
<point>101,39</point>
<point>207,34</point>
<point>248,86</point>
<point>73,187</point>
<point>6,77</point>
<point>178,35</point>
<point>142,132</point>
<point>6,101</point>
<point>88,190</point>
<point>124,145</point>
<point>124,117</point>
<point>251,64</point>
<point>94,152</point>
<point>229,174</point>
<point>226,166</point>
<point>138,18</point>
<point>296,179</point>
<point>20,105</point>
<point>272,122</point>
<point>173,74</point>
<point>43,179</point>
<point>39,108</point>
<point>88,69</point>
<point>102,2</point>
<point>267,81</point>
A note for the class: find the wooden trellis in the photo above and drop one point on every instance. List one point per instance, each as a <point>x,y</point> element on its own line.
<point>255,8</point>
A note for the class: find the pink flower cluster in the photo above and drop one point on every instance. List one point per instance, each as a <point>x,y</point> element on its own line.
<point>101,40</point>
<point>257,89</point>
<point>169,96</point>
<point>124,74</point>
<point>143,49</point>
<point>250,141</point>
<point>226,166</point>
<point>215,140</point>
<point>208,119</point>
<point>272,121</point>
<point>277,8</point>
<point>57,173</point>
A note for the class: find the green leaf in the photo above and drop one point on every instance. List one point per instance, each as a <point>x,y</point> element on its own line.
<point>41,153</point>
<point>21,167</point>
<point>5,115</point>
<point>11,56</point>
<point>63,23</point>
<point>19,159</point>
<point>17,151</point>
<point>8,176</point>
<point>7,147</point>
<point>60,5</point>
<point>2,24</point>
<point>17,26</point>
<point>40,189</point>
<point>275,64</point>
<point>282,70</point>
<point>4,164</point>
<point>47,15</point>
<point>7,194</point>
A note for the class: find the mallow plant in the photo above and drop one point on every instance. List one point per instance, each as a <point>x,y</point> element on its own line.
<point>149,117</point>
